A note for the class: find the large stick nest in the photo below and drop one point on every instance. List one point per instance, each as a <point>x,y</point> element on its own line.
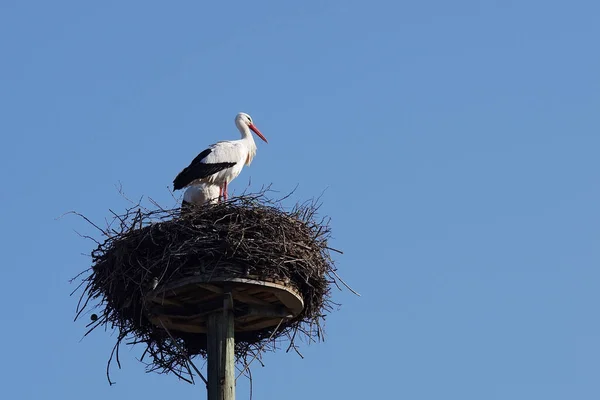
<point>248,235</point>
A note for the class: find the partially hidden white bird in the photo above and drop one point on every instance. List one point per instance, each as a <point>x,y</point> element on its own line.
<point>204,193</point>
<point>223,161</point>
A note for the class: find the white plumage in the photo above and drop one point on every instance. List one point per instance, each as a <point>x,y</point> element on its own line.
<point>205,193</point>
<point>223,161</point>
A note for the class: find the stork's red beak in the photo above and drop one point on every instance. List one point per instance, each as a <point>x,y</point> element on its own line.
<point>260,135</point>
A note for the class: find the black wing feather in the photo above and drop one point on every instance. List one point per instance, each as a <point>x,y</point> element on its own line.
<point>201,156</point>
<point>198,170</point>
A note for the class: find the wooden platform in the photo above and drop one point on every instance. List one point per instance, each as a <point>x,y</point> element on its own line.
<point>185,305</point>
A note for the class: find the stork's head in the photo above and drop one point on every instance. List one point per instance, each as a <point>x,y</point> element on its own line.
<point>243,120</point>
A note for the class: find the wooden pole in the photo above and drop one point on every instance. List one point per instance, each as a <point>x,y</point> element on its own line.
<point>220,353</point>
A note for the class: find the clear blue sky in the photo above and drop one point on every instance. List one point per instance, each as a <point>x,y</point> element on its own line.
<point>458,142</point>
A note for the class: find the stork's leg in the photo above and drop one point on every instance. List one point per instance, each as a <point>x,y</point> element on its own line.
<point>220,193</point>
<point>225,190</point>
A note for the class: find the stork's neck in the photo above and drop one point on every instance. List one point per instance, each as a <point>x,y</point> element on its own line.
<point>248,140</point>
<point>246,134</point>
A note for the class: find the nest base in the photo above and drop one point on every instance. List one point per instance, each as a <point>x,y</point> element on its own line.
<point>185,305</point>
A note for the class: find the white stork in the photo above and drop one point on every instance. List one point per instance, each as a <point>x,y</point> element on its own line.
<point>205,193</point>
<point>223,161</point>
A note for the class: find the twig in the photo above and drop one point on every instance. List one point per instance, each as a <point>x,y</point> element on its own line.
<point>259,350</point>
<point>345,284</point>
<point>336,250</point>
<point>184,353</point>
<point>84,217</point>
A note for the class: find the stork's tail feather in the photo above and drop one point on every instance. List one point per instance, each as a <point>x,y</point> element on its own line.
<point>181,180</point>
